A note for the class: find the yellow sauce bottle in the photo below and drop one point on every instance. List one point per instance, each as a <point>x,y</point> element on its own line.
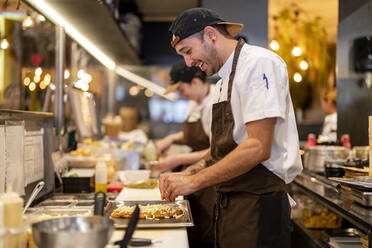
<point>101,176</point>
<point>13,208</point>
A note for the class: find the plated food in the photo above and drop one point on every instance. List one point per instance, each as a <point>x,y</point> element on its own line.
<point>144,184</point>
<point>155,211</point>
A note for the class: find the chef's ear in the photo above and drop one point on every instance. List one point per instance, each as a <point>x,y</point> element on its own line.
<point>210,33</point>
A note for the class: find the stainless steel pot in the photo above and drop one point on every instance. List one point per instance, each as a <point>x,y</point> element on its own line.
<point>315,156</point>
<point>92,232</point>
<point>81,231</point>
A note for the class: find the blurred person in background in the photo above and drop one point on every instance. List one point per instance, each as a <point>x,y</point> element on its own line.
<point>329,128</point>
<point>192,84</point>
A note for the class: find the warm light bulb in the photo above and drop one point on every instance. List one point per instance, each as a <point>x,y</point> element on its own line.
<point>297,77</point>
<point>67,74</point>
<point>304,65</point>
<point>87,78</point>
<point>42,85</point>
<point>274,45</point>
<point>4,44</point>
<point>47,78</point>
<point>149,93</point>
<point>41,18</point>
<point>37,78</point>
<point>32,86</point>
<point>26,81</point>
<point>296,51</point>
<point>38,71</point>
<point>133,90</point>
<point>85,87</point>
<point>28,22</point>
<point>81,73</point>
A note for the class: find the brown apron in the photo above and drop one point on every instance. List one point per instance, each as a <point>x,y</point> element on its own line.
<point>252,210</point>
<point>202,201</point>
<point>194,135</point>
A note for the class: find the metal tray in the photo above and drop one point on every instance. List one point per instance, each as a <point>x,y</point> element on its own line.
<point>184,221</point>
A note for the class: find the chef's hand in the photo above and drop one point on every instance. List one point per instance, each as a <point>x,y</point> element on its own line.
<point>167,163</point>
<point>172,185</point>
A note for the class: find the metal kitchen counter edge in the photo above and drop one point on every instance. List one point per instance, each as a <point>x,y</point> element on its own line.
<point>326,193</point>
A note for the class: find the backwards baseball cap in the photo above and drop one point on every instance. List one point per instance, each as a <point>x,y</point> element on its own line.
<point>195,20</point>
<point>180,72</point>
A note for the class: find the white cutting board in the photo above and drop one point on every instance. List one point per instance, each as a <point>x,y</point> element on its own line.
<point>128,194</point>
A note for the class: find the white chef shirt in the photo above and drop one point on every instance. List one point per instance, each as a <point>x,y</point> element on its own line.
<point>203,111</point>
<point>261,90</point>
<point>329,129</point>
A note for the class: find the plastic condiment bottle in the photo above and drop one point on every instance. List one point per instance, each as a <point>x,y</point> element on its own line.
<point>150,151</point>
<point>101,176</point>
<point>311,140</point>
<point>345,139</point>
<point>13,209</point>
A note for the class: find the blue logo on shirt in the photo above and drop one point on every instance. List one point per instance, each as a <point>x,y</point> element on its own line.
<point>267,81</point>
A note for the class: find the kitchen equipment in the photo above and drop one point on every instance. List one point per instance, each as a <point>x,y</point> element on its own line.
<point>183,221</point>
<point>130,230</point>
<point>34,193</point>
<point>333,168</point>
<point>81,231</point>
<point>315,156</point>
<point>93,231</point>
<point>360,152</point>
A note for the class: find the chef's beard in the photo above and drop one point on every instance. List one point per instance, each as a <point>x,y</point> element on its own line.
<point>210,58</point>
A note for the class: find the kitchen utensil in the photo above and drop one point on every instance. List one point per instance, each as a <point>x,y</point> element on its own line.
<point>315,156</point>
<point>142,242</point>
<point>130,230</point>
<point>93,231</point>
<point>99,203</point>
<point>34,193</point>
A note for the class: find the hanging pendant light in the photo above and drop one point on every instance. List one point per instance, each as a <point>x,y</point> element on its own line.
<point>4,43</point>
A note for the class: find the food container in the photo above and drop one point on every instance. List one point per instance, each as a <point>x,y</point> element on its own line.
<point>78,181</point>
<point>360,152</point>
<point>315,156</point>
<point>133,176</point>
<point>317,216</point>
<point>82,231</point>
<point>93,232</point>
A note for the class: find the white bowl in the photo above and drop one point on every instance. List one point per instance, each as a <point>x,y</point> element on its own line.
<point>133,176</point>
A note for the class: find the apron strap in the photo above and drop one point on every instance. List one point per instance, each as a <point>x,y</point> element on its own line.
<point>235,62</point>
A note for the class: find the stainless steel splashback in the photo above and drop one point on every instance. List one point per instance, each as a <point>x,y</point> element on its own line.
<point>43,124</point>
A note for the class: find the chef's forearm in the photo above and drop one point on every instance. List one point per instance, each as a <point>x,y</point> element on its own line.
<point>177,138</point>
<point>191,158</point>
<point>195,168</point>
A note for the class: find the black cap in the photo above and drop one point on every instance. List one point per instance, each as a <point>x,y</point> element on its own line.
<point>195,20</point>
<point>180,72</point>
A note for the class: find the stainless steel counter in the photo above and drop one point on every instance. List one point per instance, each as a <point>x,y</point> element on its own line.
<point>331,195</point>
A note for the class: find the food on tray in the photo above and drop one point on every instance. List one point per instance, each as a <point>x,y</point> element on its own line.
<point>82,152</point>
<point>321,219</point>
<point>90,142</point>
<point>156,211</point>
<point>144,184</point>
